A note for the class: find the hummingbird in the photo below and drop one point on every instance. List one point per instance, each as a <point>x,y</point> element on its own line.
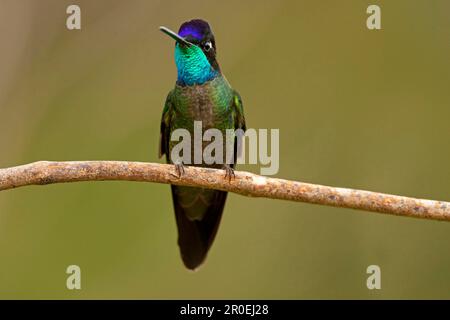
<point>201,93</point>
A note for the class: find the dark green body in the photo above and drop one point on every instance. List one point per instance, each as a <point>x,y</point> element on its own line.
<point>198,211</point>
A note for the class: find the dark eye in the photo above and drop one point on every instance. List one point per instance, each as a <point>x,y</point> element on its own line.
<point>207,46</point>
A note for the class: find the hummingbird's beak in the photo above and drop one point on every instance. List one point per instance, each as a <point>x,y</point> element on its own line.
<point>175,36</point>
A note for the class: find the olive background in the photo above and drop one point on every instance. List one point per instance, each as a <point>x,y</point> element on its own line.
<point>355,108</point>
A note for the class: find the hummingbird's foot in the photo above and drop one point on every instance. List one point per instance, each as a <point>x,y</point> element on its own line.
<point>229,172</point>
<point>179,168</point>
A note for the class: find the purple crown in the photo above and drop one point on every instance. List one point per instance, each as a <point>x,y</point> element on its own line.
<point>195,28</point>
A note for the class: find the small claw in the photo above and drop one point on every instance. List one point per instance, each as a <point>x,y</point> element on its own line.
<point>179,168</point>
<point>229,172</point>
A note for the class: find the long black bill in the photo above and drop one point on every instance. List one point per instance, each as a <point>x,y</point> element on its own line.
<point>175,36</point>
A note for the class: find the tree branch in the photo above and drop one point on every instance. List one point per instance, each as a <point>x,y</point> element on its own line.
<point>244,183</point>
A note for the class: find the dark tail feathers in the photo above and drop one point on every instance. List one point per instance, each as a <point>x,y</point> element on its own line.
<point>195,237</point>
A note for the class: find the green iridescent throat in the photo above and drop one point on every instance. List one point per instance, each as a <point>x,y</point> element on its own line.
<point>193,66</point>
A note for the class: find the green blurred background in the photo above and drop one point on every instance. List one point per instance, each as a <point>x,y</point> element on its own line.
<point>355,108</point>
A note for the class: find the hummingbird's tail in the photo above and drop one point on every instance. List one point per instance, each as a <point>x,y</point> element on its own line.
<point>198,213</point>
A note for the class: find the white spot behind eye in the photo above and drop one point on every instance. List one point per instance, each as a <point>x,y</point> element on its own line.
<point>208,46</point>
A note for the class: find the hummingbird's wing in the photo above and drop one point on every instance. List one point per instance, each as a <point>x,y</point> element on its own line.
<point>238,112</point>
<point>164,136</point>
<point>239,121</point>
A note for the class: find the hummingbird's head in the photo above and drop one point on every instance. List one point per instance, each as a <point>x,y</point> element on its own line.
<point>195,52</point>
